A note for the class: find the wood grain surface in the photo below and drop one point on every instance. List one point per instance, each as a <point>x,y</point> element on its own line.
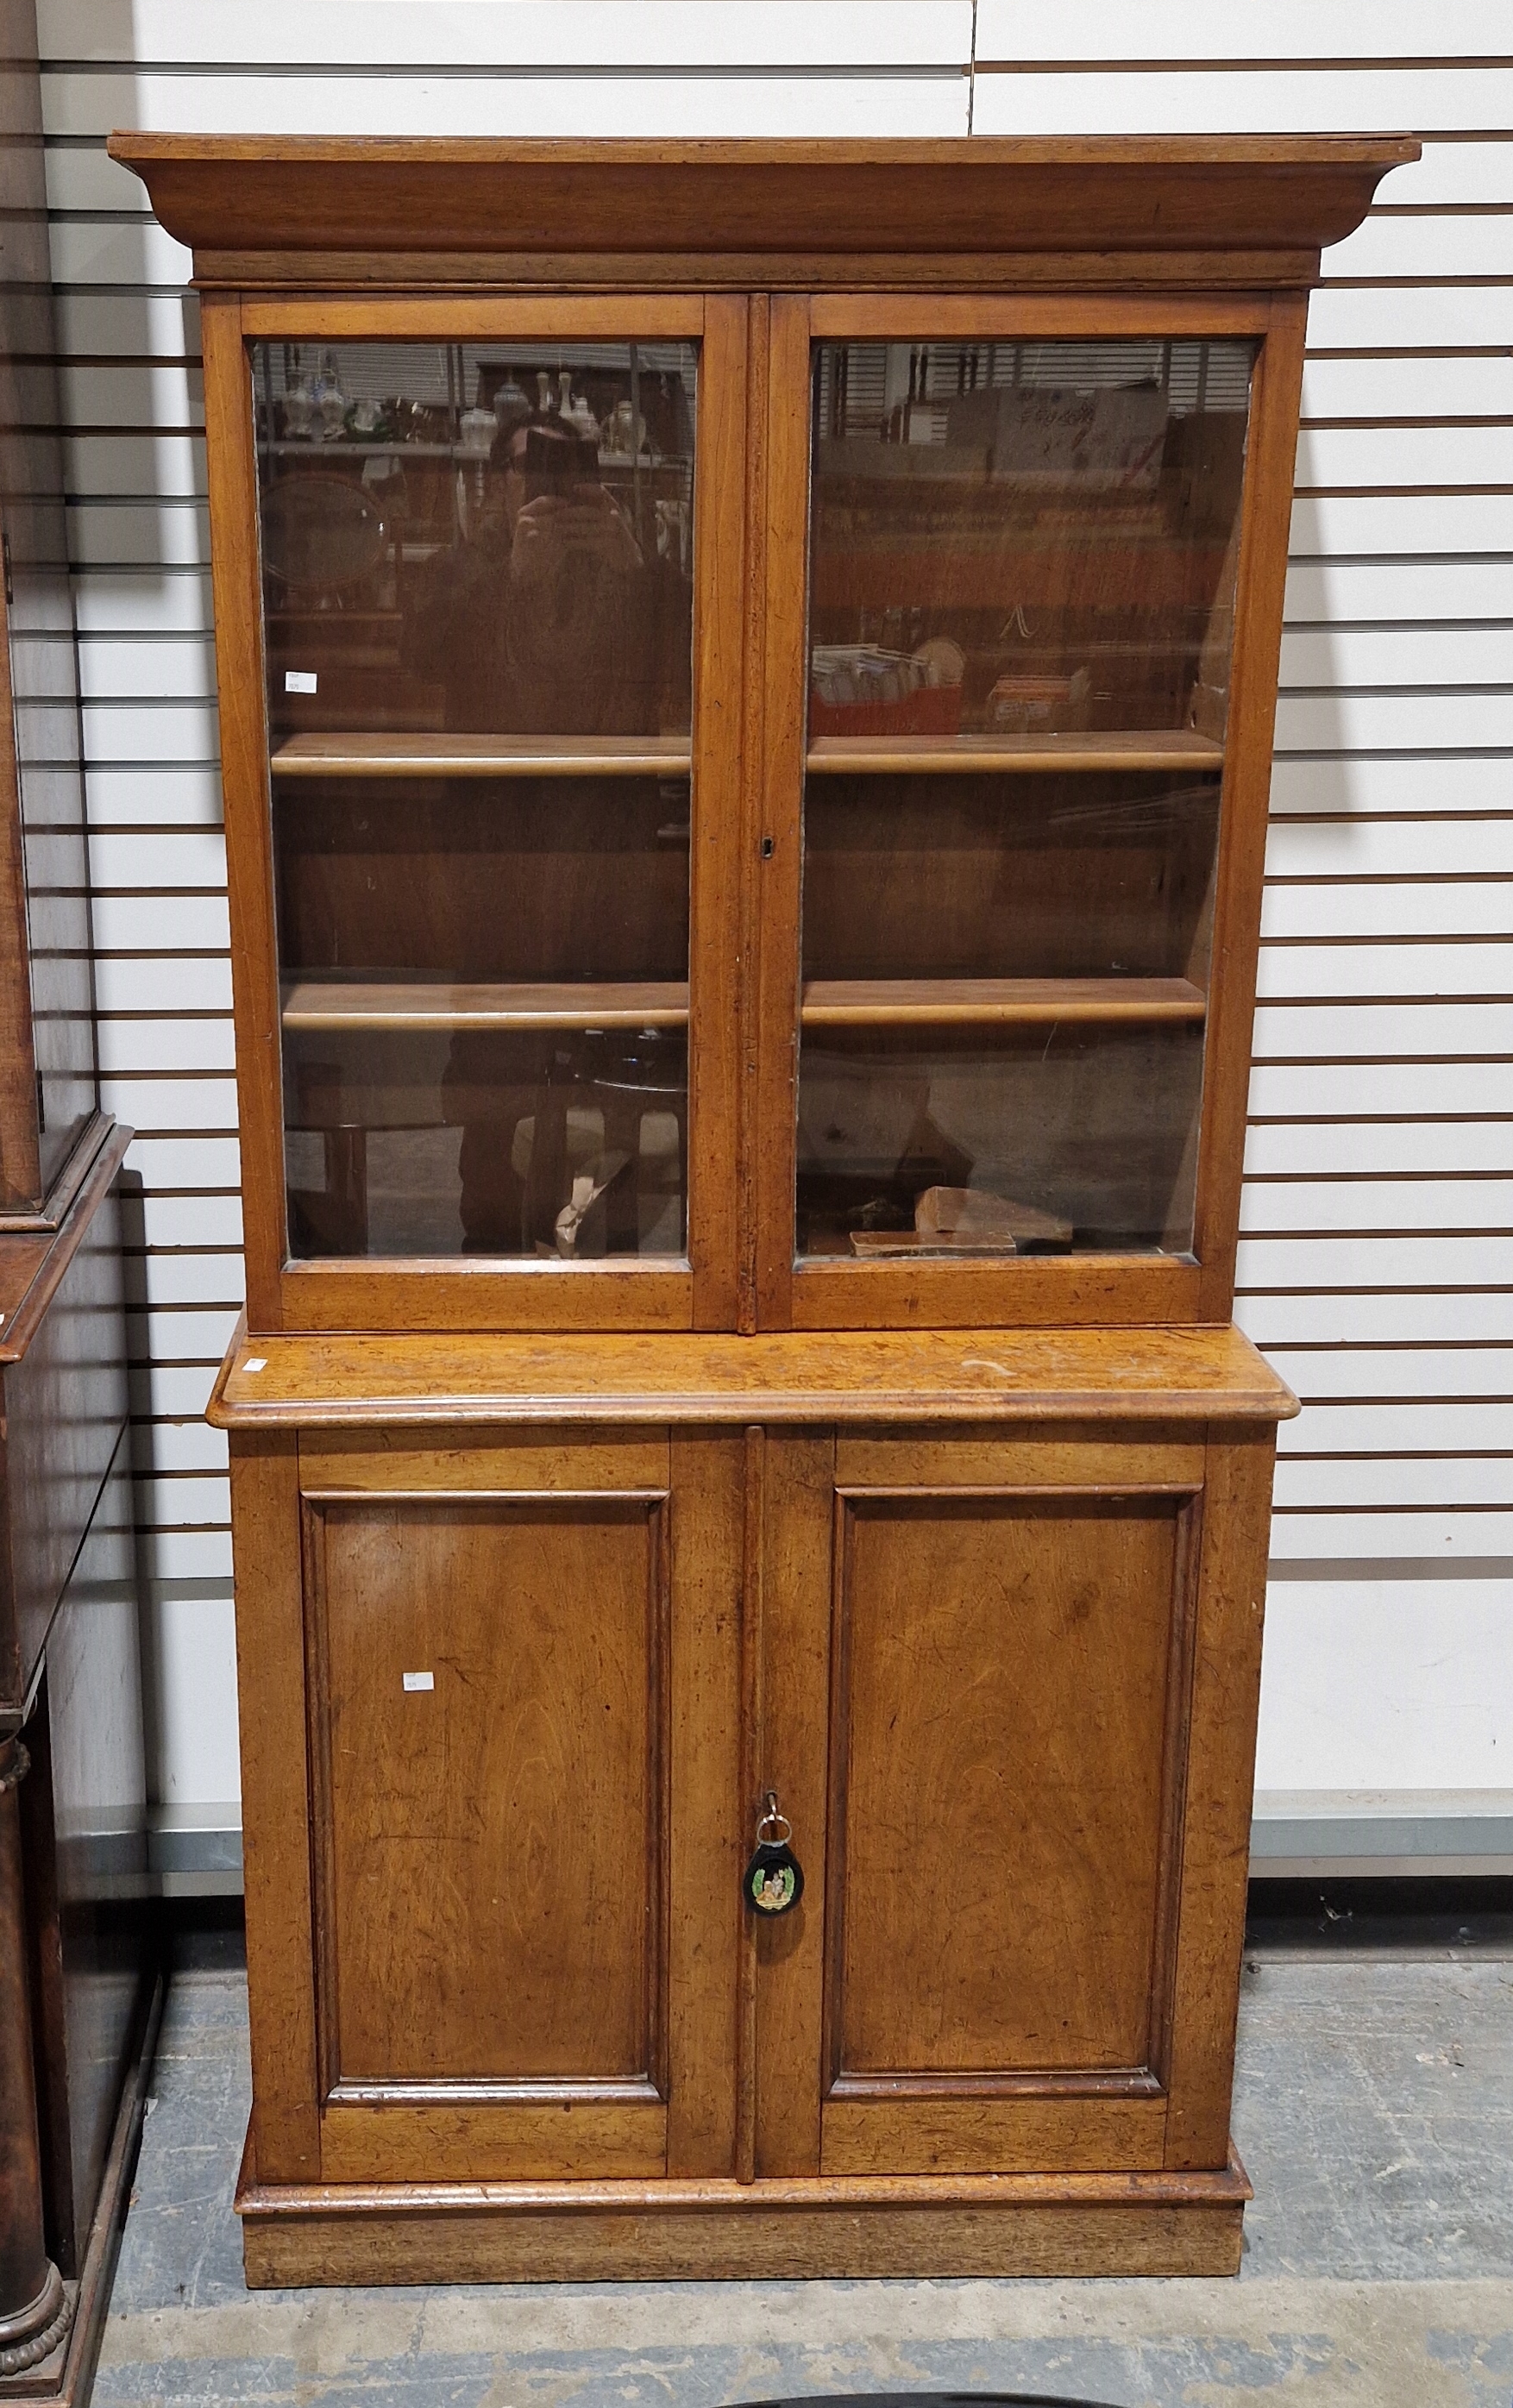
<point>881,1003</point>
<point>1257,635</point>
<point>275,1805</point>
<point>496,1838</point>
<point>999,1703</point>
<point>392,755</point>
<point>1143,1375</point>
<point>419,1003</point>
<point>1177,748</point>
<point>718,913</point>
<point>1065,2224</point>
<point>364,194</point>
<point>242,704</point>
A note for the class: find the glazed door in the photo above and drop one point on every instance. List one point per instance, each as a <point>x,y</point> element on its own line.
<point>1017,702</point>
<point>984,1960</point>
<point>483,790</point>
<point>514,1931</point>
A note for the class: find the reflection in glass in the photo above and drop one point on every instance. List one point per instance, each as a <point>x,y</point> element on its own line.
<point>494,539</point>
<point>477,578</point>
<point>1025,538</point>
<point>1003,1001</point>
<point>1022,582</point>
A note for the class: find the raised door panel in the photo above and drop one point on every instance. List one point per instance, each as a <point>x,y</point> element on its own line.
<point>489,1700</point>
<point>1007,1671</point>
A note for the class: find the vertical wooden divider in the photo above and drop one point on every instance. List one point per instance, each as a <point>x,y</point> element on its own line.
<point>752,1570</point>
<point>783,678</point>
<point>717,934</point>
<point>244,777</point>
<point>276,1801</point>
<point>705,1813</point>
<point>752,791</point>
<point>1261,578</point>
<point>1221,1771</point>
<point>799,1490</point>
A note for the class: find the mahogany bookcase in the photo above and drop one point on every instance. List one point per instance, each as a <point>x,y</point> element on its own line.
<point>747,674</point>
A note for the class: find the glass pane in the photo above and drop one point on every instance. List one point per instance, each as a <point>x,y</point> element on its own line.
<point>477,566</point>
<point>1022,585</point>
<point>1025,538</point>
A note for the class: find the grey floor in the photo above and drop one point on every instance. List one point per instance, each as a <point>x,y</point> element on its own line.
<point>1374,2109</point>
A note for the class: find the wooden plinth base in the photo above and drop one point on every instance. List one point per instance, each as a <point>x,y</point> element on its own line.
<point>727,2231</point>
<point>66,2378</point>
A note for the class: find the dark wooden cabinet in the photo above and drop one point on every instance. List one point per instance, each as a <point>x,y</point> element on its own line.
<point>747,675</point>
<point>75,1954</point>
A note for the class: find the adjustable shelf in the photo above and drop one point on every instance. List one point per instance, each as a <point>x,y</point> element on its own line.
<point>827,1003</point>
<point>398,1004</point>
<point>442,755</point>
<point>892,1003</point>
<point>1138,748</point>
<point>392,755</point>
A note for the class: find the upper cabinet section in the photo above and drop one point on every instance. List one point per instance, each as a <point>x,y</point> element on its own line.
<point>747,674</point>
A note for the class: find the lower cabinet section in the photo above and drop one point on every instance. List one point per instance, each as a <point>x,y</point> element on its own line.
<point>1001,1683</point>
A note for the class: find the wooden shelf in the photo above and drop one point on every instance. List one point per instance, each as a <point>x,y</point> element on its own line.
<point>397,1003</point>
<point>828,1003</point>
<point>1136,748</point>
<point>405,755</point>
<point>409,1379</point>
<point>442,755</point>
<point>892,1003</point>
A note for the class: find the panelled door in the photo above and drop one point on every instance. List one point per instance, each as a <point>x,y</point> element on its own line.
<point>984,1971</point>
<point>521,1883</point>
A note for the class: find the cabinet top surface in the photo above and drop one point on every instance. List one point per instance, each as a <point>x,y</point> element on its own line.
<point>32,1262</point>
<point>1202,1374</point>
<point>261,195</point>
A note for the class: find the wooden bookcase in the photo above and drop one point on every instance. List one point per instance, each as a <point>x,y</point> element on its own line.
<point>747,675</point>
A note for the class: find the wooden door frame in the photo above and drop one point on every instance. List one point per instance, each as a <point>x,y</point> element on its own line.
<point>475,1293</point>
<point>1083,1289</point>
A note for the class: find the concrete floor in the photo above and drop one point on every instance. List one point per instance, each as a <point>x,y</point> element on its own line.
<point>1374,2109</point>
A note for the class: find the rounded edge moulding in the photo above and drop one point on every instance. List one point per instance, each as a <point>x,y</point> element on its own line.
<point>259,195</point>
<point>800,1376</point>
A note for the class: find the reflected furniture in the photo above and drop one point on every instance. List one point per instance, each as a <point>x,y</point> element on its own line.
<point>76,1960</point>
<point>747,675</point>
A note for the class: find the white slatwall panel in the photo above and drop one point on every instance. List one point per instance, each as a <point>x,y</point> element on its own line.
<point>1376,1262</point>
<point>1377,1256</point>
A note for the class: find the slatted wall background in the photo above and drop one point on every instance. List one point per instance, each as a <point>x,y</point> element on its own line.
<point>1377,1268</point>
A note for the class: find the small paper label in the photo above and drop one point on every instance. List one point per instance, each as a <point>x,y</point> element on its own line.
<point>256,1363</point>
<point>420,1680</point>
<point>299,680</point>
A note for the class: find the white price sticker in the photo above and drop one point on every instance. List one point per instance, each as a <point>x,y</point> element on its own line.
<point>420,1680</point>
<point>299,680</point>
